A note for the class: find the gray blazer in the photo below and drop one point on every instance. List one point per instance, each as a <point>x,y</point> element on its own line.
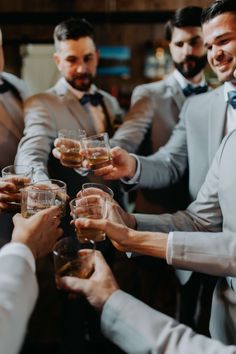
<point>211,248</point>
<point>45,114</point>
<point>138,329</point>
<point>18,294</point>
<point>192,145</point>
<point>154,112</point>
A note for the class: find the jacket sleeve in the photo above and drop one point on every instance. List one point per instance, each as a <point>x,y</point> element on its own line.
<point>137,328</point>
<point>137,121</point>
<point>39,134</point>
<point>18,293</point>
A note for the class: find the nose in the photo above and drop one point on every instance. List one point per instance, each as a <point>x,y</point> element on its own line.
<point>188,49</point>
<point>217,53</point>
<point>81,67</point>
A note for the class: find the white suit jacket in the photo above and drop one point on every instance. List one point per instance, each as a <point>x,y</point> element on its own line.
<point>138,329</point>
<point>211,248</point>
<point>154,112</point>
<point>45,114</point>
<point>18,294</point>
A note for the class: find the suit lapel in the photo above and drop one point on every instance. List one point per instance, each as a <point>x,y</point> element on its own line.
<point>216,121</point>
<point>74,106</point>
<point>176,91</point>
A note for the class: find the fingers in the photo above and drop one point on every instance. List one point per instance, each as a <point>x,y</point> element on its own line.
<point>74,284</point>
<point>56,154</point>
<point>7,186</point>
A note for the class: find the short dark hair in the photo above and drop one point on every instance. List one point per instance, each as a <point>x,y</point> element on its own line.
<point>73,28</point>
<point>217,8</point>
<point>189,16</point>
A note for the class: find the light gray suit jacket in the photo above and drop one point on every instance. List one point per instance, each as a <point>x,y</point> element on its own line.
<point>138,329</point>
<point>211,248</point>
<point>192,145</point>
<point>45,114</point>
<point>154,112</point>
<point>18,294</point>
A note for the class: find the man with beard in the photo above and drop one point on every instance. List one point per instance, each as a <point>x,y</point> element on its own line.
<point>73,103</point>
<point>155,107</point>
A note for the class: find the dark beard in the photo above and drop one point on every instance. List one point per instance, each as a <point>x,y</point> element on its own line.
<point>82,86</point>
<point>192,70</point>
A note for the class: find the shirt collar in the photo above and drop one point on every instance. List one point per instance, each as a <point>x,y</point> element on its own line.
<point>183,82</point>
<point>228,86</point>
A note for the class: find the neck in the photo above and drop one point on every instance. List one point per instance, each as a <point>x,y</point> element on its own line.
<point>197,78</point>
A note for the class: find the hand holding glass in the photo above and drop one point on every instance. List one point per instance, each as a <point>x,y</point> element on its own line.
<point>72,258</point>
<point>94,207</point>
<point>96,150</point>
<point>69,146</point>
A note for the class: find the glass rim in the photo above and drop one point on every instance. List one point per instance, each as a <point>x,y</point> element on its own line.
<point>98,184</point>
<point>88,241</point>
<point>50,180</point>
<point>95,136</point>
<point>15,166</point>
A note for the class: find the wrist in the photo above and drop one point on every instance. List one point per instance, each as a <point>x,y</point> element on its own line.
<point>132,167</point>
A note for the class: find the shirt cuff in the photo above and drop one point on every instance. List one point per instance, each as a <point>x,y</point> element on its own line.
<point>169,248</point>
<point>21,250</point>
<point>136,177</point>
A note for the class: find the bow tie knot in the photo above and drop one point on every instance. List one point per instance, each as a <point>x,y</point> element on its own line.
<point>95,99</point>
<point>4,87</point>
<point>191,90</point>
<point>232,98</point>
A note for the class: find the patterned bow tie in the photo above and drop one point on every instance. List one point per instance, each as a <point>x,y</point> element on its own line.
<point>191,90</point>
<point>232,98</point>
<point>95,99</point>
<point>4,87</point>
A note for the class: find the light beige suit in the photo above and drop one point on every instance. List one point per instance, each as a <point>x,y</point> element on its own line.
<point>45,114</point>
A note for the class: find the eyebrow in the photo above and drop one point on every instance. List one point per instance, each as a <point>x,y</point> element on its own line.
<point>218,37</point>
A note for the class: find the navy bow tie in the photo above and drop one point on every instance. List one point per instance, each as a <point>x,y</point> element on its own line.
<point>4,87</point>
<point>232,98</point>
<point>95,99</point>
<point>191,90</point>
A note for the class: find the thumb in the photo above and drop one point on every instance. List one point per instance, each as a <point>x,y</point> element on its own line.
<point>17,217</point>
<point>76,285</point>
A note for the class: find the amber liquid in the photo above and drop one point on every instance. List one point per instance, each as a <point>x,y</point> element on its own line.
<point>99,161</point>
<point>90,234</point>
<point>71,156</point>
<point>76,268</point>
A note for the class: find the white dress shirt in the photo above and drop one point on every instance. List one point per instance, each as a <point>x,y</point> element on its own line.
<point>19,249</point>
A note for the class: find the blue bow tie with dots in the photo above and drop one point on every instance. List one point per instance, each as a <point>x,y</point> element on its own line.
<point>191,90</point>
<point>95,99</point>
<point>232,98</point>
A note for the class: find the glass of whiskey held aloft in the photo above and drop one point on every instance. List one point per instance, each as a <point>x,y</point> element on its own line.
<point>59,188</point>
<point>92,207</point>
<point>72,258</point>
<point>69,145</point>
<point>34,199</point>
<point>96,149</point>
<point>20,175</point>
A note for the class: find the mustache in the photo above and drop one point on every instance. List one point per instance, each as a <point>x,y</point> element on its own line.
<point>81,76</point>
<point>190,58</point>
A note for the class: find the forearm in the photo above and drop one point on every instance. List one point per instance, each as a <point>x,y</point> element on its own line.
<point>148,243</point>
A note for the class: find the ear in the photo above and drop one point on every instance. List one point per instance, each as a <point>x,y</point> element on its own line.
<point>57,60</point>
